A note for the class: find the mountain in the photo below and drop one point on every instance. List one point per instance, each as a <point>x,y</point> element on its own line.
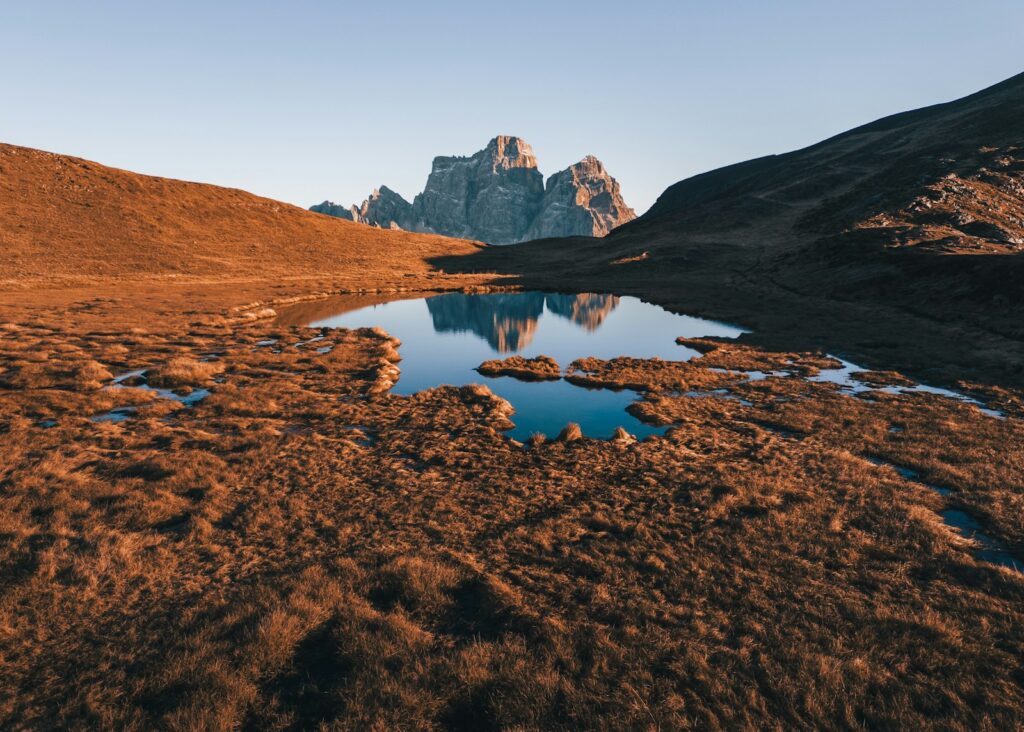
<point>922,211</point>
<point>334,209</point>
<point>386,209</point>
<point>910,225</point>
<point>582,200</point>
<point>492,195</point>
<point>946,178</point>
<point>64,219</point>
<point>498,196</point>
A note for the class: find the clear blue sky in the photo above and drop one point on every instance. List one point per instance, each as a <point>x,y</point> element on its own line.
<point>304,100</point>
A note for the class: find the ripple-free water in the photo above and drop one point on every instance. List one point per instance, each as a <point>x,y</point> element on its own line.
<point>445,337</point>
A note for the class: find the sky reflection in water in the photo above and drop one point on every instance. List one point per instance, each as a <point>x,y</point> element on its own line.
<point>445,337</point>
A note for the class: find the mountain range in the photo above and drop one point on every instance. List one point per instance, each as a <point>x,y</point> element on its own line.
<point>498,196</point>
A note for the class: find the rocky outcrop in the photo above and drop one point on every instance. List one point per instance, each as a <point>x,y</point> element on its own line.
<point>333,209</point>
<point>386,209</point>
<point>492,196</point>
<point>498,196</point>
<point>582,200</point>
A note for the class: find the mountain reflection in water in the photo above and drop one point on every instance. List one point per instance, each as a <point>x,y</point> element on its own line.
<point>445,337</point>
<point>508,321</point>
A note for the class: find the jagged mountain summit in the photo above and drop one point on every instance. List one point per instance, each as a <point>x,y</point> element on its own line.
<point>498,196</point>
<point>583,200</point>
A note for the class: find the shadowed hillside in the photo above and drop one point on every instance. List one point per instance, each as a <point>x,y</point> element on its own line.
<point>65,220</point>
<point>915,221</point>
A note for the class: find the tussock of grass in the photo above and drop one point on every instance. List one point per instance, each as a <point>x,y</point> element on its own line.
<point>540,368</point>
<point>184,371</point>
<point>56,373</point>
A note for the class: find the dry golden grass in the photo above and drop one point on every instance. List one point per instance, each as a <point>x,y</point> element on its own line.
<point>67,221</point>
<point>305,549</point>
<point>299,548</point>
<point>184,371</point>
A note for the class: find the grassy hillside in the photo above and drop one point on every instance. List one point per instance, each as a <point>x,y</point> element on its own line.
<point>65,220</point>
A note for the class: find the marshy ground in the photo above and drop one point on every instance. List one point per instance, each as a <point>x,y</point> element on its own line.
<point>302,546</point>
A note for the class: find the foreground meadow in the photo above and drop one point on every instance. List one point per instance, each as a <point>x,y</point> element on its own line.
<point>300,547</point>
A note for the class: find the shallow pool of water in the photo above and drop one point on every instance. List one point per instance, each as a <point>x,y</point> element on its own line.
<point>445,337</point>
<point>844,377</point>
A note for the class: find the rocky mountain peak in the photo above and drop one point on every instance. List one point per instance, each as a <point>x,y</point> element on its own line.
<point>333,209</point>
<point>498,195</point>
<point>386,209</point>
<point>506,151</point>
<point>582,200</point>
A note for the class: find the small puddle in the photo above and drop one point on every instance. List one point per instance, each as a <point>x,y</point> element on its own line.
<point>849,384</point>
<point>137,380</point>
<point>306,342</point>
<point>762,375</point>
<point>445,337</point>
<point>989,548</point>
<point>118,414</point>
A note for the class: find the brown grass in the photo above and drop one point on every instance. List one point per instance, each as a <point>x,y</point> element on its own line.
<point>540,368</point>
<point>300,549</point>
<point>184,371</point>
<point>305,549</point>
<point>69,221</point>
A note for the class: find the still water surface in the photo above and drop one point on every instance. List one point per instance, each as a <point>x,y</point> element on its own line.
<point>445,337</point>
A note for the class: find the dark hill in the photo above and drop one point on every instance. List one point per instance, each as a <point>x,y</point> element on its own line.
<point>911,226</point>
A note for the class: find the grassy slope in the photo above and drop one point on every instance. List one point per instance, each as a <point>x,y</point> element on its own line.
<point>67,221</point>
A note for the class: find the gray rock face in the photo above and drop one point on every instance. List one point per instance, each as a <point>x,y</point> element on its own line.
<point>386,209</point>
<point>333,209</point>
<point>498,196</point>
<point>491,196</point>
<point>582,200</point>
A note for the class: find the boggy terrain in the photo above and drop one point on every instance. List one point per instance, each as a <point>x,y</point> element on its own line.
<point>213,517</point>
<point>301,546</point>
